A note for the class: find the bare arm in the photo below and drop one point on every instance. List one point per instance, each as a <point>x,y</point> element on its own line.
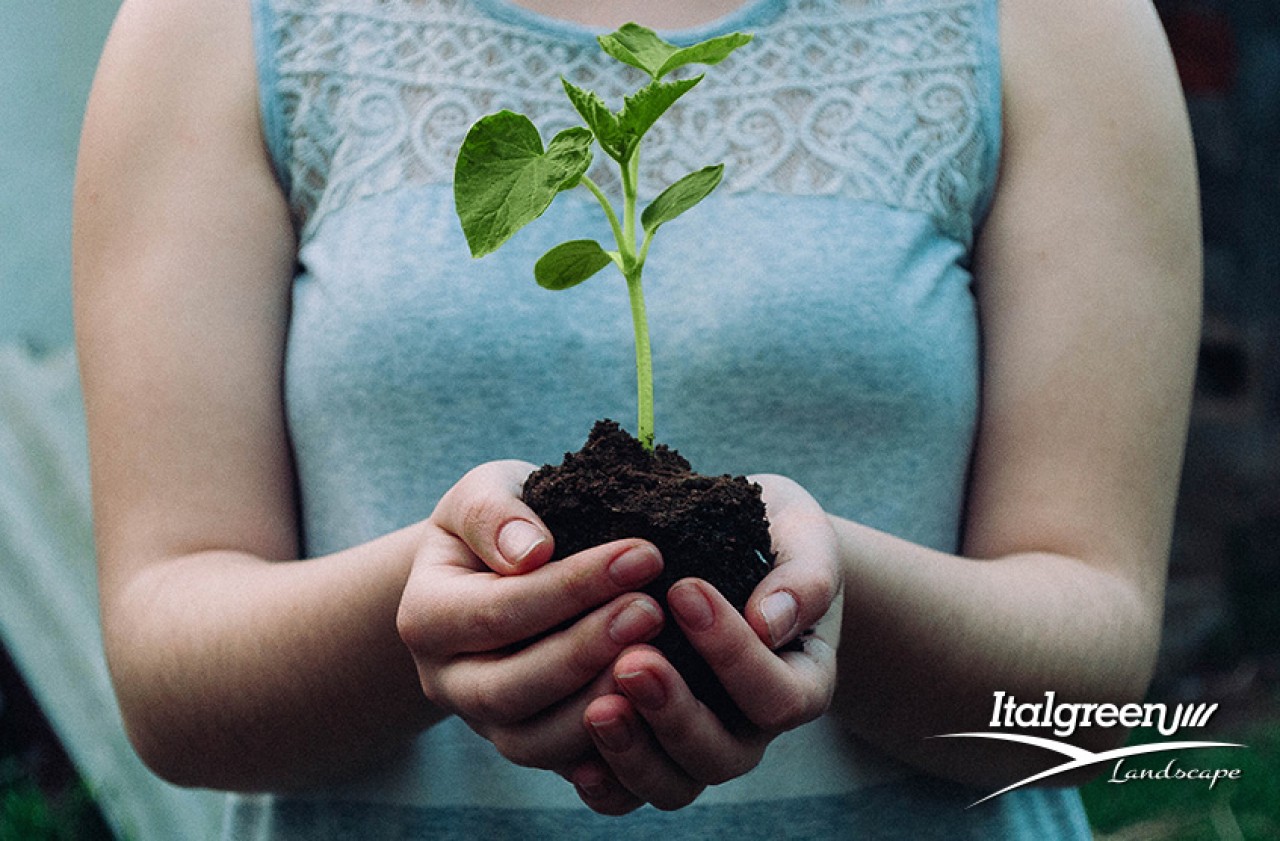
<point>231,670</point>
<point>1088,283</point>
<point>237,667</point>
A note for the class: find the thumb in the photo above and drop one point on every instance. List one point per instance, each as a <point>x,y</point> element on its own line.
<point>805,582</point>
<point>485,511</point>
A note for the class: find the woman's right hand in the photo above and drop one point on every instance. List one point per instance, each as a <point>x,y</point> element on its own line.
<point>514,646</point>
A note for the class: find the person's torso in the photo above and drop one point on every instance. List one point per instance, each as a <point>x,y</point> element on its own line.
<point>813,317</point>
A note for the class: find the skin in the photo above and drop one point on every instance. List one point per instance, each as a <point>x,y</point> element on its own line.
<point>1087,276</point>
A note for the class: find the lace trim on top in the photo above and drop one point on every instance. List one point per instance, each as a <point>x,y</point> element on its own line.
<point>878,100</point>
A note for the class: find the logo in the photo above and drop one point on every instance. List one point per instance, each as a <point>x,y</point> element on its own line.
<point>1063,719</point>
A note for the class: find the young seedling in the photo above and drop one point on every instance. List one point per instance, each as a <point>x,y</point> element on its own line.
<point>505,178</point>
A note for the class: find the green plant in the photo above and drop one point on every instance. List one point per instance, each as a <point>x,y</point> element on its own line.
<point>505,178</point>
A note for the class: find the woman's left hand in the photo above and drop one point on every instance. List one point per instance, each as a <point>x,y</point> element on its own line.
<point>658,744</point>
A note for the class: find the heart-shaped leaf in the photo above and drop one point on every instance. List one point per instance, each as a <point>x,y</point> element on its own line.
<point>642,48</point>
<point>503,178</point>
<point>681,196</point>
<point>570,263</point>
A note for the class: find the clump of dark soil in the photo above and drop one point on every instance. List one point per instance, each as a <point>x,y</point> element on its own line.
<point>708,527</point>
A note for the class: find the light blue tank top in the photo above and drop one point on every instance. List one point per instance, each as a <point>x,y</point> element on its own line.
<point>813,317</point>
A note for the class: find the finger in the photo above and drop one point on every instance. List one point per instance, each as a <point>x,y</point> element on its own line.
<point>554,740</point>
<point>776,692</point>
<point>805,580</point>
<point>685,728</point>
<point>600,789</point>
<point>637,761</point>
<point>447,608</point>
<point>508,687</point>
<point>485,510</point>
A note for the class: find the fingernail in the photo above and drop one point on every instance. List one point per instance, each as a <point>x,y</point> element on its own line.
<point>644,689</point>
<point>779,611</point>
<point>636,621</point>
<point>518,539</point>
<point>691,607</point>
<point>592,783</point>
<point>638,565</point>
<point>594,791</point>
<point>613,733</point>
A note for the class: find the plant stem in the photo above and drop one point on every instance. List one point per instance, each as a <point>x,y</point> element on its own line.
<point>635,292</point>
<point>644,361</point>
<point>632,265</point>
<point>608,208</point>
<point>629,204</point>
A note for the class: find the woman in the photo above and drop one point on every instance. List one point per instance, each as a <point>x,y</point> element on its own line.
<point>285,355</point>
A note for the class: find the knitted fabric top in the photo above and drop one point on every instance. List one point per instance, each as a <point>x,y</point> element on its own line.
<point>813,317</point>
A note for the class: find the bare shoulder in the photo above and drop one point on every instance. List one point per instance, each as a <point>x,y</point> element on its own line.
<point>164,52</point>
<point>1099,69</point>
<point>1096,137</point>
<point>176,78</point>
<point>1108,41</point>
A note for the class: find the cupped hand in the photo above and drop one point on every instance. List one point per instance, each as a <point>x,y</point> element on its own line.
<point>516,647</point>
<point>657,743</point>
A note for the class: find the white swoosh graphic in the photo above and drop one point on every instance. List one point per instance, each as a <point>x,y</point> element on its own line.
<point>1079,756</point>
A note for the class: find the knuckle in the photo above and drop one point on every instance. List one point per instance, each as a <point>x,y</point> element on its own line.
<point>451,499</point>
<point>494,619</point>
<point>518,749</point>
<point>789,710</point>
<point>409,628</point>
<point>435,679</point>
<point>685,729</point>
<point>822,594</point>
<point>485,700</point>
<point>586,659</point>
<point>478,520</point>
<point>416,626</point>
<point>580,587</point>
<point>730,654</point>
<point>433,690</point>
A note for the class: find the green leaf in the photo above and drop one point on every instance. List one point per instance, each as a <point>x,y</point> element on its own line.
<point>620,133</point>
<point>709,52</point>
<point>599,118</point>
<point>642,48</point>
<point>681,196</point>
<point>503,178</point>
<point>570,263</point>
<point>643,108</point>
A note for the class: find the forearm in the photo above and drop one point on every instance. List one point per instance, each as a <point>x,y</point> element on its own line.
<point>928,638</point>
<point>240,673</point>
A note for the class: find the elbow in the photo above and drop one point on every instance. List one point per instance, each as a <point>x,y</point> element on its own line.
<point>152,724</point>
<point>163,754</point>
<point>185,746</point>
<point>160,717</point>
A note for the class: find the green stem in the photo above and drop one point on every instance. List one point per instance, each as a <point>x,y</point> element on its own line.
<point>644,362</point>
<point>631,265</point>
<point>644,249</point>
<point>608,208</point>
<point>635,292</point>
<point>630,169</point>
